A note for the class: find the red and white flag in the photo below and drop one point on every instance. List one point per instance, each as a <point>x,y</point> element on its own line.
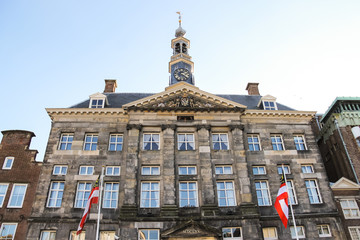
<point>93,198</point>
<point>282,202</point>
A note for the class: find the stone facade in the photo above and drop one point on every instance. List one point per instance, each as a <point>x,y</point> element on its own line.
<point>19,175</point>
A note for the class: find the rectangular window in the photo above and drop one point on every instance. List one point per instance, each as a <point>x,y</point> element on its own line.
<point>324,230</point>
<point>3,191</point>
<point>307,169</point>
<point>186,142</point>
<point>55,194</point>
<point>277,142</point>
<point>220,141</point>
<point>148,234</point>
<point>188,194</point>
<point>254,142</point>
<point>150,170</point>
<point>66,141</point>
<point>86,170</point>
<point>107,235</point>
<point>82,194</point>
<point>354,233</point>
<point>269,105</point>
<point>112,171</point>
<point>232,233</point>
<point>60,170</point>
<point>91,141</point>
<point>47,235</point>
<point>270,233</point>
<point>73,235</point>
<point>8,163</point>
<point>300,232</point>
<point>116,142</point>
<point>350,208</point>
<point>300,142</point>
<point>17,196</point>
<point>262,192</point>
<point>286,169</point>
<point>226,193</point>
<point>187,170</point>
<point>291,191</point>
<point>259,170</point>
<point>151,141</point>
<point>7,231</point>
<point>313,191</point>
<point>223,169</point>
<point>111,193</point>
<point>97,103</point>
<point>150,195</point>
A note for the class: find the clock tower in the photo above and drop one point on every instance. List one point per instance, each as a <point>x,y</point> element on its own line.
<point>180,66</point>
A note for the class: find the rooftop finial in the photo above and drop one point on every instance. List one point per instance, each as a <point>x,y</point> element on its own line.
<point>180,32</point>
<point>179,18</point>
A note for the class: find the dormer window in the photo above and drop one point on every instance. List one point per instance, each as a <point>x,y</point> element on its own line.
<point>267,103</point>
<point>97,100</point>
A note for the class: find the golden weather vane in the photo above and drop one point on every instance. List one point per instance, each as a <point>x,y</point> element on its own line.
<point>179,18</point>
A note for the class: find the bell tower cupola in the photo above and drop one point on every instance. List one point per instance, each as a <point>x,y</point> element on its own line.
<point>181,67</point>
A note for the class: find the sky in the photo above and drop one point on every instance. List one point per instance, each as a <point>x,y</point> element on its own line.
<point>54,54</point>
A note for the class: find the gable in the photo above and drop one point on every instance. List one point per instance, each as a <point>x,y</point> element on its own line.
<point>345,184</point>
<point>183,96</point>
<point>191,229</point>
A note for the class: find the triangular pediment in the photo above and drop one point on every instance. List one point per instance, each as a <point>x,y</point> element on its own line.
<point>189,230</point>
<point>184,96</point>
<point>345,184</point>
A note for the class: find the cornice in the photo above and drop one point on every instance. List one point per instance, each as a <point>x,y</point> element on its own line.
<point>53,112</point>
<point>248,113</point>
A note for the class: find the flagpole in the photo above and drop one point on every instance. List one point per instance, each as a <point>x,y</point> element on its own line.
<point>100,202</point>
<point>291,209</point>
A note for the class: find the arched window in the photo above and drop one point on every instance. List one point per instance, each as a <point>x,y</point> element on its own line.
<point>184,48</point>
<point>177,48</point>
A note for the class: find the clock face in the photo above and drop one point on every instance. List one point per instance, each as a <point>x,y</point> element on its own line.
<point>181,74</point>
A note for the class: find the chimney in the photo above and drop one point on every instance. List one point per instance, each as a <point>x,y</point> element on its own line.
<point>110,85</point>
<point>253,89</point>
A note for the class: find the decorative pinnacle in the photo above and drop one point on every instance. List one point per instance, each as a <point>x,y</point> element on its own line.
<point>179,18</point>
<point>180,32</point>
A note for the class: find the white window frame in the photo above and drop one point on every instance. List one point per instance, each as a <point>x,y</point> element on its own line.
<point>81,236</point>
<point>96,105</point>
<point>187,190</point>
<point>7,159</point>
<point>66,139</point>
<point>151,170</point>
<point>151,141</point>
<point>269,107</point>
<point>61,167</point>
<point>269,230</point>
<point>291,191</point>
<point>220,141</point>
<point>292,231</point>
<point>188,143</point>
<point>12,195</point>
<point>50,233</point>
<point>265,193</point>
<point>187,170</point>
<point>112,173</point>
<point>2,195</point>
<point>226,231</point>
<point>286,168</point>
<point>357,232</point>
<point>351,210</point>
<point>306,167</point>
<point>258,172</point>
<point>253,143</point>
<point>150,198</point>
<point>55,192</point>
<point>321,228</point>
<point>87,169</point>
<point>222,168</point>
<point>86,194</point>
<point>91,142</point>
<point>119,141</point>
<point>299,141</point>
<point>274,142</point>
<point>2,229</point>
<point>313,190</point>
<point>111,195</point>
<point>148,233</point>
<point>227,195</point>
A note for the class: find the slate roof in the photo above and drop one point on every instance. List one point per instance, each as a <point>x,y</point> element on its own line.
<point>117,100</point>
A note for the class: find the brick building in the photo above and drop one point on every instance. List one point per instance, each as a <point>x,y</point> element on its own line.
<point>182,164</point>
<point>19,175</point>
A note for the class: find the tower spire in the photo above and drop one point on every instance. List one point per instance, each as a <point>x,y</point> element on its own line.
<point>179,18</point>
